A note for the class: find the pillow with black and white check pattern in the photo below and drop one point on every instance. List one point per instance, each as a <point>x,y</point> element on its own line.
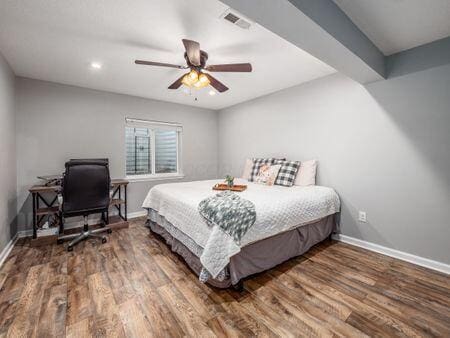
<point>288,172</point>
<point>257,163</point>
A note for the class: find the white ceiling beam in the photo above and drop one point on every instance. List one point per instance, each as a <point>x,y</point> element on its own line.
<point>323,30</point>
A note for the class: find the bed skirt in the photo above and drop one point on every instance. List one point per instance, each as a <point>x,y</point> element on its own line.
<point>258,256</point>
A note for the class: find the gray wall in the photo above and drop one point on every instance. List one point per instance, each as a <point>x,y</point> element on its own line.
<point>384,147</point>
<point>57,122</point>
<point>8,155</point>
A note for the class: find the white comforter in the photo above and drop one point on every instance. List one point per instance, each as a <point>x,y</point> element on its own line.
<point>278,209</point>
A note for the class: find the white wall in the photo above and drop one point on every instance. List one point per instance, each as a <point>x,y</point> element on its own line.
<point>57,122</point>
<point>8,155</point>
<point>384,147</point>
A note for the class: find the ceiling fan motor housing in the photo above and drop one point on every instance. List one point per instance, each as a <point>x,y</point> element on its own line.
<point>203,59</point>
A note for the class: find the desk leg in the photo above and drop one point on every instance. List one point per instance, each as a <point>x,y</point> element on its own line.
<point>61,223</point>
<point>120,205</point>
<point>126,203</point>
<point>34,197</point>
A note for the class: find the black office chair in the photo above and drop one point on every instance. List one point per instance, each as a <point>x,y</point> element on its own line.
<point>85,190</point>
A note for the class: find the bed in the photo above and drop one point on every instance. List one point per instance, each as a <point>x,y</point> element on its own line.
<point>289,221</point>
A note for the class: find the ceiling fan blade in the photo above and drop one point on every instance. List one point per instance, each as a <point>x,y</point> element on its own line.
<point>177,83</point>
<point>161,64</point>
<point>219,86</point>
<point>231,67</point>
<point>192,51</point>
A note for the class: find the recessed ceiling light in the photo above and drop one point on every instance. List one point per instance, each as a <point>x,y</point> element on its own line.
<point>96,65</point>
<point>212,92</point>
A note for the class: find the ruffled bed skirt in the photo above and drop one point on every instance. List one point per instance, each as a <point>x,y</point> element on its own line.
<point>253,258</point>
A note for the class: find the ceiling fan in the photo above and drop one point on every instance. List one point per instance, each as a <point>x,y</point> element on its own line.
<point>196,62</point>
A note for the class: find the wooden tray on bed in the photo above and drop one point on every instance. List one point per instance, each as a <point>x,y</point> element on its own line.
<point>236,187</point>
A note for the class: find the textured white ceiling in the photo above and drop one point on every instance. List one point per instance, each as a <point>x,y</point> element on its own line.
<point>397,25</point>
<point>56,40</point>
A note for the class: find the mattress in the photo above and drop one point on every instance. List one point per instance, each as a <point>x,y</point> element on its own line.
<point>278,209</point>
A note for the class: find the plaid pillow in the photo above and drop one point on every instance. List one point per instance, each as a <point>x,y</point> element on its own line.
<point>257,163</point>
<point>288,172</point>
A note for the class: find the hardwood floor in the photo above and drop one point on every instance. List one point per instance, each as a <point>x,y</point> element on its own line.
<point>134,286</point>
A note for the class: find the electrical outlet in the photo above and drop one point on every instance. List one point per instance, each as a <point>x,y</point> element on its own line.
<point>362,217</point>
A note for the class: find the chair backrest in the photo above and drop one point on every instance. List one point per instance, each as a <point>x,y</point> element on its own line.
<point>90,160</point>
<point>85,186</point>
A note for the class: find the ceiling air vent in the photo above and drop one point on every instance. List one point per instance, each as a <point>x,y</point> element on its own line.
<point>236,19</point>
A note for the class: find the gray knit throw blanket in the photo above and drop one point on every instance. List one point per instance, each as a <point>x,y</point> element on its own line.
<point>233,214</point>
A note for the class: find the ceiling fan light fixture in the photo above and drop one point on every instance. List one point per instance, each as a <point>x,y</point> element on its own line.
<point>202,82</point>
<point>186,81</point>
<point>190,78</point>
<point>195,79</point>
<point>193,75</point>
<point>203,78</point>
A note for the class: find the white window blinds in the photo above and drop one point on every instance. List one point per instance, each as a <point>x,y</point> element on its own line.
<point>165,151</point>
<point>152,148</point>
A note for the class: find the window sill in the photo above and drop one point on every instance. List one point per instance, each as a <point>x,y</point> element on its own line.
<point>160,177</point>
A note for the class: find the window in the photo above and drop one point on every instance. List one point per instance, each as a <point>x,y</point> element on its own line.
<point>152,149</point>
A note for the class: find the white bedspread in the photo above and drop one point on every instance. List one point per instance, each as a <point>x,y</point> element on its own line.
<point>278,209</point>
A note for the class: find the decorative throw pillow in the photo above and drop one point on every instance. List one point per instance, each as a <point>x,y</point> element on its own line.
<point>288,172</point>
<point>257,163</point>
<point>307,173</point>
<point>267,174</point>
<point>247,169</point>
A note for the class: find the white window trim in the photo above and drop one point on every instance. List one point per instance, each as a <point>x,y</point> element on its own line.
<point>154,177</point>
<point>157,125</point>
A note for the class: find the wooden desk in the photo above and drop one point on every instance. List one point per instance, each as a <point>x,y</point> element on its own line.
<point>48,196</point>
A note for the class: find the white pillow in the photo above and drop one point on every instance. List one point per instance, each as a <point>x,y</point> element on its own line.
<point>307,173</point>
<point>247,169</point>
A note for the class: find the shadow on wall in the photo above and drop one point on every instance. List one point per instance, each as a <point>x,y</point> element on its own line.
<point>12,206</point>
<point>434,54</point>
<point>419,104</point>
<point>24,218</point>
<point>415,202</point>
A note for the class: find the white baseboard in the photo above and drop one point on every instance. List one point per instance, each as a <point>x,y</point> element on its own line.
<point>5,252</point>
<point>404,256</point>
<point>130,215</point>
<point>137,214</point>
<point>68,225</point>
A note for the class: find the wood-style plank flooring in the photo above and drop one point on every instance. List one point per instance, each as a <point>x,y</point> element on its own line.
<point>134,286</point>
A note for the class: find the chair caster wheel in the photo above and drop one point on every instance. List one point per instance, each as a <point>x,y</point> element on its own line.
<point>104,240</point>
<point>59,241</point>
<point>109,231</point>
<point>70,248</point>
